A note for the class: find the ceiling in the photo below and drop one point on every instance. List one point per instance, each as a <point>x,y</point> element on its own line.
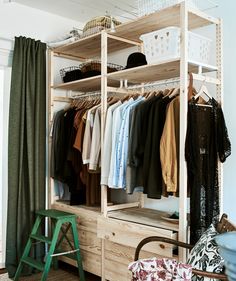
<point>84,10</point>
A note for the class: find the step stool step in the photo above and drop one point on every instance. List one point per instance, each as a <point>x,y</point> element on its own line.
<point>69,255</point>
<point>41,238</point>
<point>55,214</point>
<point>36,264</point>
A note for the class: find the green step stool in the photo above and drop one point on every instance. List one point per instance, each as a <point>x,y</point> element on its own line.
<point>58,218</point>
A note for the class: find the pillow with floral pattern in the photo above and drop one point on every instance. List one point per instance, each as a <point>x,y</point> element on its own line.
<point>205,255</point>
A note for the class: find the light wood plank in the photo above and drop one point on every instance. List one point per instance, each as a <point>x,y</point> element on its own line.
<point>89,47</point>
<point>115,272</point>
<point>88,242</point>
<point>144,216</point>
<point>130,234</point>
<point>184,68</point>
<point>91,262</point>
<point>85,85</point>
<point>87,217</point>
<point>125,254</point>
<point>122,206</point>
<point>154,72</point>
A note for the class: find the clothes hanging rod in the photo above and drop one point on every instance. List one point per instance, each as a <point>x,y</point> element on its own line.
<point>85,95</point>
<point>197,77</point>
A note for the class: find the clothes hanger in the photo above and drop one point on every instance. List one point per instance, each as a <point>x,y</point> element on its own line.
<point>174,93</point>
<point>203,92</point>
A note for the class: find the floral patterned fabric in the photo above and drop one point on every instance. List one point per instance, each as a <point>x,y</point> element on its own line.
<point>160,269</point>
<point>205,255</point>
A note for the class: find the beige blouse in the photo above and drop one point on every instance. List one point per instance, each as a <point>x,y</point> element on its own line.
<point>169,147</point>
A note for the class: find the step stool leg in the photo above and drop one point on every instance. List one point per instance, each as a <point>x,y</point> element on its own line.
<point>55,259</point>
<point>51,251</point>
<point>76,245</point>
<point>27,248</point>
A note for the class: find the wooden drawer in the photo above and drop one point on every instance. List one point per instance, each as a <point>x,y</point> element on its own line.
<point>91,262</point>
<point>87,218</point>
<point>90,244</point>
<point>117,259</point>
<point>130,234</point>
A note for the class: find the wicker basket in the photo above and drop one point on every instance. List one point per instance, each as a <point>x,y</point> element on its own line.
<point>71,73</point>
<point>93,68</point>
<point>87,69</point>
<point>97,24</point>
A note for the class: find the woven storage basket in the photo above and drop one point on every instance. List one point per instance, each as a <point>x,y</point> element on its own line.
<point>70,73</point>
<point>94,68</point>
<point>97,24</point>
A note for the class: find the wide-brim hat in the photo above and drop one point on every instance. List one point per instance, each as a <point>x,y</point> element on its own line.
<point>136,59</point>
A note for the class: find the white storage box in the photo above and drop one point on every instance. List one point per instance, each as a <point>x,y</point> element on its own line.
<point>146,7</point>
<point>164,44</point>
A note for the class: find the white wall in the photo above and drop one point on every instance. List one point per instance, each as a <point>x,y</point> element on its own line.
<point>16,20</point>
<point>226,11</point>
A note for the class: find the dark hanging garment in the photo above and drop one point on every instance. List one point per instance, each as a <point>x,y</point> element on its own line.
<point>206,140</point>
<point>66,163</point>
<point>152,172</point>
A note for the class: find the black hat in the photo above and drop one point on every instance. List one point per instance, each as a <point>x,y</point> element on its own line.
<point>136,59</point>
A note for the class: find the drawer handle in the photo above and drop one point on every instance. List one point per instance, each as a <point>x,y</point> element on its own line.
<point>113,233</point>
<point>162,246</point>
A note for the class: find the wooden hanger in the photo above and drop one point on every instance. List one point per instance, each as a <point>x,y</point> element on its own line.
<point>203,92</point>
<point>174,93</point>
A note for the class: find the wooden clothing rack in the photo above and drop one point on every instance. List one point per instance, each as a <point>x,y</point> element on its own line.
<point>112,232</point>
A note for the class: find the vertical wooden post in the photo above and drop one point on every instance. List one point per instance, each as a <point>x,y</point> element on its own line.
<point>183,127</point>
<point>51,195</point>
<point>103,110</point>
<point>219,95</point>
<point>103,119</point>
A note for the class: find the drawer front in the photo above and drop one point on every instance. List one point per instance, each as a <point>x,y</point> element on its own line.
<point>91,262</point>
<point>130,234</point>
<point>88,241</point>
<point>86,219</point>
<point>90,244</point>
<point>117,259</point>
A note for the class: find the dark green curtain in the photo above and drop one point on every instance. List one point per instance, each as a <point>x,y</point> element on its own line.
<point>27,146</point>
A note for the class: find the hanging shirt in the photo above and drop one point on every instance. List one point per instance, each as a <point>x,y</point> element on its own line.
<point>88,134</point>
<point>169,147</point>
<point>116,121</point>
<point>138,133</point>
<point>107,143</point>
<point>94,162</point>
<point>152,174</point>
<point>122,148</point>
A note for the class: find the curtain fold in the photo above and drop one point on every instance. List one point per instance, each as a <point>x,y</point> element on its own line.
<point>27,146</point>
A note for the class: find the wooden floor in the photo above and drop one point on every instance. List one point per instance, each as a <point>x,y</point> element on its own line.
<point>63,274</point>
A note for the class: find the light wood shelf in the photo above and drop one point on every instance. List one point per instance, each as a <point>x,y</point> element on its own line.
<point>85,85</point>
<point>145,216</point>
<point>90,46</point>
<point>146,73</point>
<point>149,73</point>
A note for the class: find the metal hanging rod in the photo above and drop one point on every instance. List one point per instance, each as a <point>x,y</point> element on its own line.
<point>197,77</point>
<point>85,95</point>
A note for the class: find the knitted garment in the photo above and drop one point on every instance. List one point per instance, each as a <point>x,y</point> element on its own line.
<point>206,141</point>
